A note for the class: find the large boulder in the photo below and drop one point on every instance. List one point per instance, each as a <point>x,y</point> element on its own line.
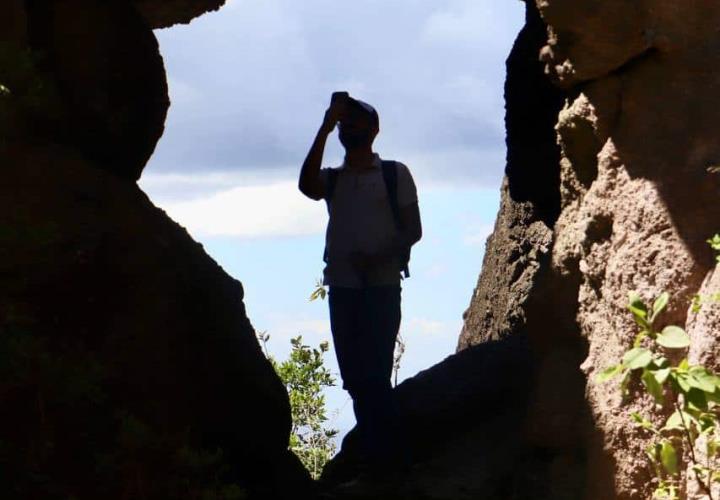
<point>104,64</point>
<point>129,366</point>
<point>462,425</point>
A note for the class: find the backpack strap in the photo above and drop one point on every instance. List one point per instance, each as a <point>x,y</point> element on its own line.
<point>331,182</point>
<point>389,171</point>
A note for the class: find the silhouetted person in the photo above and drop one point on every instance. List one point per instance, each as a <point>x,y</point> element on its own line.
<point>374,220</point>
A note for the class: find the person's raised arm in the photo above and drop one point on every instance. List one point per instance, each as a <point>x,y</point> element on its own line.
<point>310,184</point>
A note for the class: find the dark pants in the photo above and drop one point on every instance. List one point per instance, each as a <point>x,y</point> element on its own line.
<point>365,324</point>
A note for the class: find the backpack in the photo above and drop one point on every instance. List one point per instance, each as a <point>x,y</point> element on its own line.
<point>389,173</point>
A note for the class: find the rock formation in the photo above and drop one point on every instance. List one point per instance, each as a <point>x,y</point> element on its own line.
<point>128,366</point>
<point>637,211</point>
<point>129,369</point>
<point>637,203</point>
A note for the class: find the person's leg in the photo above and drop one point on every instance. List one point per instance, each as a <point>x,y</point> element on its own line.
<point>345,309</point>
<point>365,324</point>
<point>348,326</point>
<point>372,396</point>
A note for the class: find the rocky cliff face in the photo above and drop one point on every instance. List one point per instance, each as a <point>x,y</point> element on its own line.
<point>128,366</point>
<point>129,369</point>
<point>644,92</point>
<point>637,202</point>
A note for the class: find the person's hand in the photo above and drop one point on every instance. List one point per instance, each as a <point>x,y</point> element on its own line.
<point>335,111</point>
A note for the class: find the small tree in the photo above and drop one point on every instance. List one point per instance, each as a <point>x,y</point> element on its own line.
<point>305,377</point>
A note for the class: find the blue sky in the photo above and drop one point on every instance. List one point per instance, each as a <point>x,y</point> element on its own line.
<point>249,86</point>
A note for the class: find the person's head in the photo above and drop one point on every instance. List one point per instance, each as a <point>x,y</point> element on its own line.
<point>359,125</point>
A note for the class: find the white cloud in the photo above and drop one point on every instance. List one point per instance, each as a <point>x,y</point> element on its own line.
<point>436,270</point>
<point>477,235</point>
<point>467,22</point>
<point>431,327</point>
<point>182,92</point>
<point>278,209</point>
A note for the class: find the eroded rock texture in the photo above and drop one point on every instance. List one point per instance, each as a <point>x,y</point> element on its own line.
<point>638,201</point>
<point>530,194</point>
<point>128,366</point>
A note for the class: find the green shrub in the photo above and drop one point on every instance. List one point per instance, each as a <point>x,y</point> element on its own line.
<point>305,377</point>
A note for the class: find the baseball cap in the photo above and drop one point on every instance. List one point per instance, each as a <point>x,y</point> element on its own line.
<point>365,107</point>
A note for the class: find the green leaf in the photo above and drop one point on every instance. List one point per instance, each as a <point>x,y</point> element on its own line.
<point>651,384</point>
<point>675,422</point>
<point>636,305</point>
<point>659,305</point>
<point>696,303</point>
<point>661,362</point>
<point>638,357</point>
<point>661,375</point>
<point>715,242</point>
<point>642,421</point>
<point>609,373</point>
<point>668,457</point>
<point>679,380</point>
<point>712,446</point>
<point>703,380</point>
<point>696,399</point>
<point>683,365</point>
<point>625,382</point>
<point>653,452</point>
<point>639,310</point>
<point>639,338</point>
<point>683,380</point>
<point>673,337</point>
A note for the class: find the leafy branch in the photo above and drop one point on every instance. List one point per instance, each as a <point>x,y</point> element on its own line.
<point>693,390</point>
<point>305,377</point>
<point>320,292</point>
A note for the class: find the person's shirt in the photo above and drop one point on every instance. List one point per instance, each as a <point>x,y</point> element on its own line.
<point>361,220</point>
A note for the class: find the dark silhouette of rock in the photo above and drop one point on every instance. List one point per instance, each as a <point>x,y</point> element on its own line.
<point>105,63</point>
<point>128,366</point>
<point>165,13</point>
<point>462,425</point>
<point>127,345</point>
<point>129,369</point>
